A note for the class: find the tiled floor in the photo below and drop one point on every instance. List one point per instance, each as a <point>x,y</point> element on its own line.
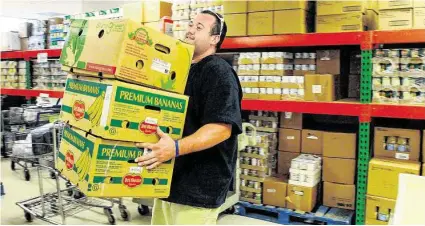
<point>17,189</point>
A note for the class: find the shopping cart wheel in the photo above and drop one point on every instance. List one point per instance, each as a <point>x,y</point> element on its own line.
<point>12,165</point>
<point>143,210</point>
<point>27,175</point>
<point>68,185</point>
<point>125,214</point>
<point>29,217</point>
<point>109,214</point>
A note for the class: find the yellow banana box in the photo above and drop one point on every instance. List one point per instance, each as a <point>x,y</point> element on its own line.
<point>121,111</point>
<point>101,168</point>
<point>126,50</point>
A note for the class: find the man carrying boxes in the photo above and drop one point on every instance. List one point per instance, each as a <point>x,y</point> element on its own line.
<point>113,115</point>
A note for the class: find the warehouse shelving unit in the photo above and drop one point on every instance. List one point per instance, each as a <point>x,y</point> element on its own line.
<point>364,110</point>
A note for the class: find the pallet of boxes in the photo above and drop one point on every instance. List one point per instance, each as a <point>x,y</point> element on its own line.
<point>258,162</point>
<point>396,151</point>
<point>125,81</point>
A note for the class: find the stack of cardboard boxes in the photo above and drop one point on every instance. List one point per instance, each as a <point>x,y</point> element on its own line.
<point>106,116</point>
<point>399,14</point>
<point>340,16</point>
<point>396,151</point>
<point>339,169</point>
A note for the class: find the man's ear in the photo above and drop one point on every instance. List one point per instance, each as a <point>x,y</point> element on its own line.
<point>215,40</point>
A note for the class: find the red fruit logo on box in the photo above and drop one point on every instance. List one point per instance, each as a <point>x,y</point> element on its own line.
<point>149,126</point>
<point>132,181</point>
<point>69,160</point>
<point>79,109</point>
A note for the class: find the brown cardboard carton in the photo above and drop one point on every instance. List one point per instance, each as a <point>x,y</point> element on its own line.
<point>236,24</point>
<point>395,4</point>
<point>395,19</point>
<point>294,4</point>
<point>291,120</point>
<point>328,62</point>
<point>230,7</point>
<point>378,210</point>
<point>320,87</point>
<point>419,18</point>
<point>339,195</point>
<point>274,192</point>
<point>260,6</point>
<point>391,143</point>
<point>305,61</point>
<point>339,170</point>
<point>384,173</point>
<point>301,21</point>
<point>260,23</point>
<point>346,22</point>
<point>339,145</point>
<point>339,7</point>
<point>290,140</point>
<point>301,198</point>
<point>312,142</point>
<point>284,162</point>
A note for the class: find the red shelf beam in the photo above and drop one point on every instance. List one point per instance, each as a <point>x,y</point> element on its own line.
<point>401,36</point>
<point>296,40</point>
<point>30,92</point>
<point>27,55</point>
<point>398,111</point>
<point>323,108</point>
<point>12,55</point>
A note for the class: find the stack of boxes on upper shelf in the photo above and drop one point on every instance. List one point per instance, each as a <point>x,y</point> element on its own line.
<point>13,74</point>
<point>396,151</point>
<point>184,11</point>
<point>56,33</point>
<point>258,162</point>
<point>126,81</point>
<point>399,76</point>
<point>278,76</point>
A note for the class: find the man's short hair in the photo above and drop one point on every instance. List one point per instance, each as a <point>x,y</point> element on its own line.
<point>215,30</point>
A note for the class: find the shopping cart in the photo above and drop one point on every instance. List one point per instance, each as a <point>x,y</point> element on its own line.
<point>55,207</point>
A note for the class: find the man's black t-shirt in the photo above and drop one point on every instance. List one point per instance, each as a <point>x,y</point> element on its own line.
<point>202,179</point>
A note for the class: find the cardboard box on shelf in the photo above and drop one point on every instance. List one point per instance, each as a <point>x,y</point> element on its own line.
<point>379,210</point>
<point>418,4</point>
<point>128,51</point>
<point>339,7</point>
<point>402,144</point>
<point>295,4</point>
<point>339,170</point>
<point>339,145</point>
<point>236,24</point>
<point>83,159</point>
<point>291,120</point>
<point>301,198</point>
<point>274,192</point>
<point>164,26</point>
<point>312,142</point>
<point>230,7</point>
<point>305,61</point>
<point>260,6</point>
<point>290,140</point>
<point>346,22</point>
<point>284,162</point>
<point>24,44</point>
<point>320,87</point>
<point>121,111</point>
<point>10,41</point>
<point>419,18</point>
<point>339,195</point>
<point>354,86</point>
<point>260,23</point>
<point>302,21</point>
<point>395,4</point>
<point>328,62</point>
<point>384,173</point>
<point>395,19</point>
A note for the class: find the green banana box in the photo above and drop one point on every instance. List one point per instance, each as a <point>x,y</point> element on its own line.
<point>116,110</point>
<point>101,168</point>
<point>126,50</point>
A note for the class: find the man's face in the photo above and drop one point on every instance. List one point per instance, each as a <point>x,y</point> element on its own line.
<point>199,33</point>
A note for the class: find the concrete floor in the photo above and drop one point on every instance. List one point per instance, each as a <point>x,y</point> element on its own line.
<point>17,189</point>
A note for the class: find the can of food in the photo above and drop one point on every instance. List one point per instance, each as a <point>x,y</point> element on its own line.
<point>300,92</point>
<point>256,67</point>
<point>298,67</point>
<point>292,79</point>
<point>395,53</point>
<point>376,81</point>
<point>285,91</point>
<point>405,53</point>
<point>263,91</point>
<point>293,92</point>
<point>277,91</point>
<point>407,95</point>
<point>243,183</point>
<point>279,54</point>
<point>245,171</point>
<point>255,90</point>
<point>277,79</point>
<point>298,55</point>
<point>270,78</point>
<point>304,67</point>
<point>312,55</point>
<point>378,53</point>
<point>253,162</point>
<point>269,90</point>
<point>251,184</point>
<point>248,90</point>
<point>312,67</point>
<point>395,81</point>
<point>254,173</point>
<point>257,185</point>
<point>299,79</point>
<point>386,81</point>
<point>406,81</point>
<point>305,55</point>
<point>258,197</point>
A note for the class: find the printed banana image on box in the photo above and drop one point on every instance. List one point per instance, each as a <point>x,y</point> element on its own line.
<point>129,51</point>
<point>101,168</point>
<point>120,111</point>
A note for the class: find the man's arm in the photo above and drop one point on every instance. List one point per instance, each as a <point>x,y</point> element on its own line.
<point>205,137</point>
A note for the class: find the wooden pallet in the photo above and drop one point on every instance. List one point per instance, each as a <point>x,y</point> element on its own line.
<point>323,215</point>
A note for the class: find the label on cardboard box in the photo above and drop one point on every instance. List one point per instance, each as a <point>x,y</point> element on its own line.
<point>402,156</point>
<point>100,167</point>
<point>317,89</point>
<point>395,19</point>
<point>339,195</point>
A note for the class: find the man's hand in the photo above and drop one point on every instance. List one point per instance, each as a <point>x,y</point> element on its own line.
<point>161,152</point>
